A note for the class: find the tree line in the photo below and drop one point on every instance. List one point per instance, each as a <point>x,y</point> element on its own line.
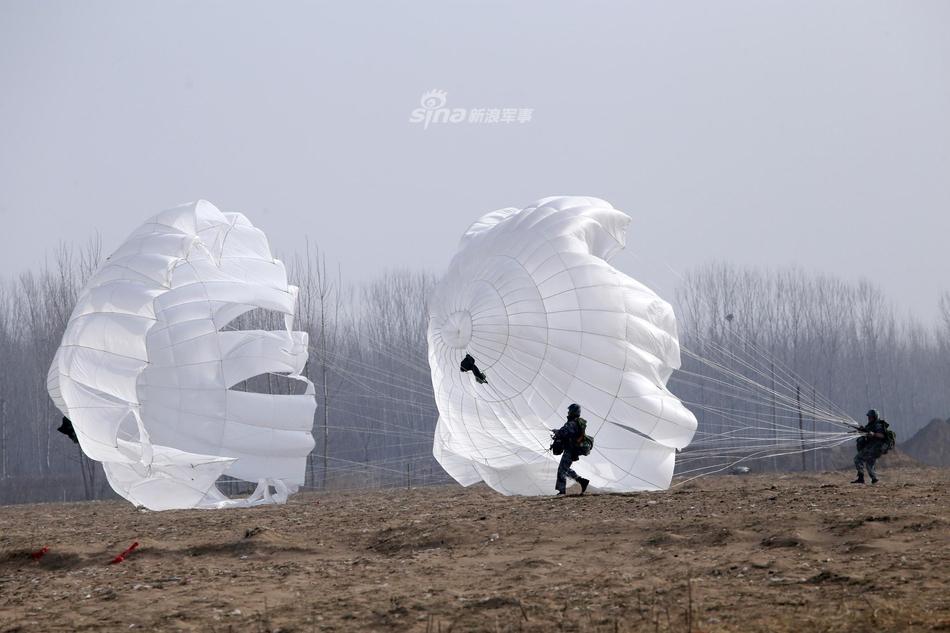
<point>368,363</point>
<point>833,344</point>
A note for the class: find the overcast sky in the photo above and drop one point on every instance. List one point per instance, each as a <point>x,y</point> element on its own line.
<point>810,133</point>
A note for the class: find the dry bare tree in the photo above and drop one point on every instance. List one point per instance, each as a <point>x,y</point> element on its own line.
<point>843,340</point>
<point>369,362</point>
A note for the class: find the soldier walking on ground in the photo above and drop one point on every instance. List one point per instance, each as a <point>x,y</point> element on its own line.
<point>875,441</point>
<point>573,440</point>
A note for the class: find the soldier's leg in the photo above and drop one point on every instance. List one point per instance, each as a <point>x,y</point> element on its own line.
<point>563,470</point>
<point>869,462</point>
<point>582,481</point>
<point>571,473</point>
<point>859,466</point>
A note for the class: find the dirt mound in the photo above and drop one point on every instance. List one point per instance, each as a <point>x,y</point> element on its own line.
<point>931,444</point>
<point>415,537</point>
<point>784,540</point>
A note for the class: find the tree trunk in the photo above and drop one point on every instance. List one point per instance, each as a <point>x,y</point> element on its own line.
<point>3,438</point>
<point>326,391</point>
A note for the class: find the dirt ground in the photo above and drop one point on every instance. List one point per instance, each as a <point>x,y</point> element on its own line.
<point>731,553</point>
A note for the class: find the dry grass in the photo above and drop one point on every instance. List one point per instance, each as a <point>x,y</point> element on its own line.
<point>752,553</point>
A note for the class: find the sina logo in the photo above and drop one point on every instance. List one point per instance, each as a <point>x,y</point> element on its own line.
<point>434,99</point>
<point>433,110</point>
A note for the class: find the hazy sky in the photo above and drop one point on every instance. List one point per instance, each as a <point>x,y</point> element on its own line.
<point>813,133</point>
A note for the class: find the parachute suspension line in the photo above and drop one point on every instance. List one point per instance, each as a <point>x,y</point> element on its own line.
<point>498,398</point>
<point>371,371</point>
<point>715,445</point>
<point>787,378</point>
<point>786,400</point>
<point>407,357</point>
<point>392,469</point>
<point>765,447</point>
<point>755,399</point>
<point>364,381</point>
<point>411,390</point>
<point>515,416</point>
<point>747,423</point>
<point>823,409</point>
<point>741,418</point>
<point>791,375</point>
<point>782,400</point>
<point>740,437</point>
<point>718,468</point>
<point>730,444</point>
<point>780,422</point>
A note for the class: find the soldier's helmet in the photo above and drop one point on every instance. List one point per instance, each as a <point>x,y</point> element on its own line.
<point>872,414</point>
<point>574,410</point>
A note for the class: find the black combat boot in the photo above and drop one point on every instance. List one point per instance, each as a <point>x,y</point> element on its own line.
<point>874,480</point>
<point>860,479</point>
<point>584,483</point>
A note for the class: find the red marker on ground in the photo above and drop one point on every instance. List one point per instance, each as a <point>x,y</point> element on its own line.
<point>121,557</point>
<point>38,554</point>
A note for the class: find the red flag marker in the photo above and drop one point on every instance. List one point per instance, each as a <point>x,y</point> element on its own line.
<point>121,557</point>
<point>38,554</point>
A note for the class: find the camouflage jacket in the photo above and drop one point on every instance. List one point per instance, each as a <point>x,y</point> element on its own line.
<point>572,433</point>
<point>867,442</point>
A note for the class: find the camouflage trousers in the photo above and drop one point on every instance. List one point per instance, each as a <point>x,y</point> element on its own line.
<point>866,458</point>
<point>564,471</point>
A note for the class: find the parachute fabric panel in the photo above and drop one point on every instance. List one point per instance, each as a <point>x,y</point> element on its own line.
<point>144,370</point>
<point>532,298</point>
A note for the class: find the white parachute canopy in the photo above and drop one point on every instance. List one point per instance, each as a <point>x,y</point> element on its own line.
<point>145,368</point>
<point>532,298</point>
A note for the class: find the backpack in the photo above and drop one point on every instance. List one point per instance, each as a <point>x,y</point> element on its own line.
<point>890,438</point>
<point>586,445</point>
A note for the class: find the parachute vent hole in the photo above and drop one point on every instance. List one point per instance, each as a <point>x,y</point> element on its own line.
<point>273,384</point>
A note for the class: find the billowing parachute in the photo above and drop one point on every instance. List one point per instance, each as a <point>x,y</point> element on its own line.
<point>531,298</point>
<point>146,366</point>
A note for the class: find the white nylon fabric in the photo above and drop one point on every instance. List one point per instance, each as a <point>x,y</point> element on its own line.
<point>144,369</point>
<point>532,298</point>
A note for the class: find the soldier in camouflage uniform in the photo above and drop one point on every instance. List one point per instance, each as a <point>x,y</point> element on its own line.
<point>573,435</point>
<point>870,447</point>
